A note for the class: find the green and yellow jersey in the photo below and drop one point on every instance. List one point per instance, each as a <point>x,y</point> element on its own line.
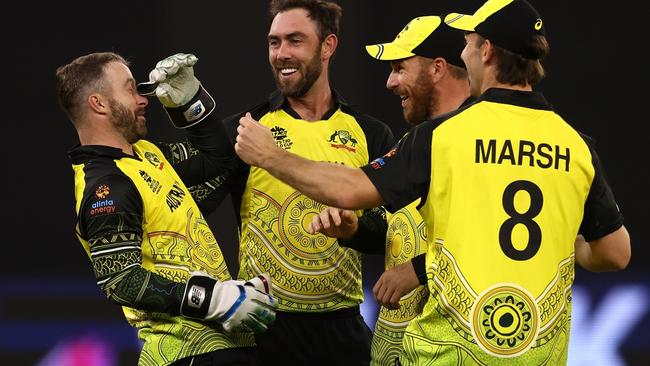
<point>144,233</point>
<point>310,273</point>
<point>406,238</point>
<point>506,185</point>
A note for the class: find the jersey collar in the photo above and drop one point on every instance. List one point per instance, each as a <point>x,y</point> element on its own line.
<point>526,99</point>
<point>278,101</point>
<point>80,154</point>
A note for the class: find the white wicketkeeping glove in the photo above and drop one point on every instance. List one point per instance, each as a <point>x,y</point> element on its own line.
<point>238,306</point>
<point>172,80</point>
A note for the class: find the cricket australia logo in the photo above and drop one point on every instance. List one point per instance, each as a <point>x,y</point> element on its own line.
<point>154,160</point>
<point>281,139</point>
<point>344,139</point>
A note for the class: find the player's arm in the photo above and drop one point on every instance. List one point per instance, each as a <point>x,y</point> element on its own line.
<point>331,184</point>
<point>115,239</point>
<point>207,157</point>
<point>365,234</point>
<point>603,243</point>
<point>398,281</point>
<point>609,253</point>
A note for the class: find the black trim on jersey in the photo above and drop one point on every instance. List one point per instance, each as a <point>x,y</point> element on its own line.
<point>216,155</point>
<point>602,215</point>
<point>379,136</point>
<point>420,267</point>
<point>277,101</point>
<point>370,237</point>
<point>526,99</point>
<point>411,157</point>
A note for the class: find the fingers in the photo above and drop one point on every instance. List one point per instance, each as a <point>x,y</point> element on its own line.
<point>393,302</point>
<point>385,294</point>
<point>314,225</point>
<point>170,66</point>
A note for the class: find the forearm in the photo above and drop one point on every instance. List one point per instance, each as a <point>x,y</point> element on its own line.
<point>609,253</point>
<point>117,266</point>
<point>208,153</point>
<point>332,184</point>
<point>144,290</point>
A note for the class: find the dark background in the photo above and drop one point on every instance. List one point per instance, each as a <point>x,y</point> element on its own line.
<point>49,303</point>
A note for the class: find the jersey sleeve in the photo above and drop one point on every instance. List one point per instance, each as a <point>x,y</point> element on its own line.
<point>208,155</point>
<point>112,226</point>
<point>403,173</point>
<point>602,215</point>
<point>370,237</point>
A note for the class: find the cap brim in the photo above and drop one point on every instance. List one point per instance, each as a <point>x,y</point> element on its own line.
<point>147,88</point>
<point>462,21</point>
<point>388,52</point>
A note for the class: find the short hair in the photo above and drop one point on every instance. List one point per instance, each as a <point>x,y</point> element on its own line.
<point>514,69</point>
<point>79,78</point>
<point>326,14</point>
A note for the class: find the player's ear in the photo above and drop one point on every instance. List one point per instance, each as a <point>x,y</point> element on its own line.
<point>98,103</point>
<point>328,46</point>
<point>437,68</point>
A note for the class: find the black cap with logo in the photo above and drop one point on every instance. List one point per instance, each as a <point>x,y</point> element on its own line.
<point>509,24</point>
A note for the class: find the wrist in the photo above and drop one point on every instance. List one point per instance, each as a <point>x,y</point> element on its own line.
<point>197,297</point>
<point>194,111</point>
<point>274,159</point>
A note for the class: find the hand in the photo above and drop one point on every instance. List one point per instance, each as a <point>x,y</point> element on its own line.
<point>172,80</point>
<point>255,144</point>
<point>335,223</point>
<point>395,283</point>
<point>239,307</point>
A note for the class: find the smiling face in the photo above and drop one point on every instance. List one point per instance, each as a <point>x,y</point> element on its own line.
<point>295,52</point>
<point>410,80</point>
<point>127,107</point>
<point>471,56</point>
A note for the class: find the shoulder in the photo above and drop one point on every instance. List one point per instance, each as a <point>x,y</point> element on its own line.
<point>363,119</point>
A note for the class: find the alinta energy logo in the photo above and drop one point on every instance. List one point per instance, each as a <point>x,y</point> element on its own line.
<point>102,205</point>
<point>154,160</point>
<point>344,138</point>
<point>281,139</point>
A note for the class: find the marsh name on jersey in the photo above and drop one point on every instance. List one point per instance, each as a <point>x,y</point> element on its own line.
<point>522,152</point>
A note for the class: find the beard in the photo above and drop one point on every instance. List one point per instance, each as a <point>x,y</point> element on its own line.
<point>126,122</point>
<point>424,100</point>
<point>297,89</point>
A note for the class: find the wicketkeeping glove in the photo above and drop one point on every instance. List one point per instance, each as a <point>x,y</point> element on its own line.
<point>179,91</point>
<point>237,306</point>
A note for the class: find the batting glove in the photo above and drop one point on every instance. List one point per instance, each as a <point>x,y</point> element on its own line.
<point>238,306</point>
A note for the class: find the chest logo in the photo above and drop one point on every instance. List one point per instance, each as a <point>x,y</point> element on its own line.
<point>153,159</point>
<point>281,139</point>
<point>102,191</point>
<point>342,139</point>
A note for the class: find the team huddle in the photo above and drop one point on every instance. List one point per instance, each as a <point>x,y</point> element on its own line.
<point>481,210</point>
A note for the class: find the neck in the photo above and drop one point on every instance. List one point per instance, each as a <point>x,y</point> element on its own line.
<point>453,94</point>
<point>315,103</point>
<point>89,134</point>
<point>490,81</point>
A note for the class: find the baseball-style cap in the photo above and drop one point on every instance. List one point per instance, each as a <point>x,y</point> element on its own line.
<point>425,36</point>
<point>509,24</point>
